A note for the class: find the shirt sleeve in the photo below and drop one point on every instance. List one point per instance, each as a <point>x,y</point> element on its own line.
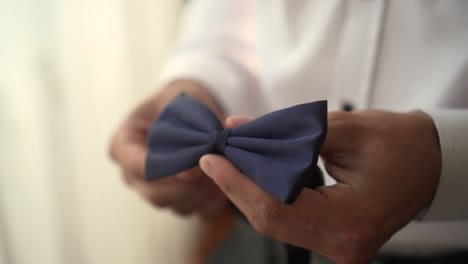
<point>450,202</point>
<point>216,47</point>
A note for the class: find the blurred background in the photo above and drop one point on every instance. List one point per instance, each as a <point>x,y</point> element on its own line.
<point>70,71</point>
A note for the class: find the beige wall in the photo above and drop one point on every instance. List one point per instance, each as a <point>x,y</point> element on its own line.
<point>70,70</point>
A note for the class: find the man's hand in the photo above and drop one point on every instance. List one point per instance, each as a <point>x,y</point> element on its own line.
<point>187,192</point>
<point>387,168</point>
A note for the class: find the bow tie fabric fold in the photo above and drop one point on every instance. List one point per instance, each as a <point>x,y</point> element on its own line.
<point>278,151</point>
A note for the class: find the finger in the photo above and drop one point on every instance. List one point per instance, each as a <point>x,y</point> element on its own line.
<point>128,178</point>
<point>133,159</point>
<point>191,175</point>
<point>235,121</point>
<point>184,177</point>
<point>171,192</point>
<point>169,195</point>
<point>214,206</point>
<point>129,149</point>
<point>205,198</point>
<point>240,189</point>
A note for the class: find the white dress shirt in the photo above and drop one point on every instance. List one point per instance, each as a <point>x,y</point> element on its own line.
<point>259,56</point>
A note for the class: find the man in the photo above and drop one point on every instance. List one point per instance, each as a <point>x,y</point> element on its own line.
<point>404,162</point>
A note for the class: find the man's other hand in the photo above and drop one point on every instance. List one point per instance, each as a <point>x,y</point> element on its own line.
<point>185,193</point>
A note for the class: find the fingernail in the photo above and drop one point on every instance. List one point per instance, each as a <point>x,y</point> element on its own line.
<point>206,166</point>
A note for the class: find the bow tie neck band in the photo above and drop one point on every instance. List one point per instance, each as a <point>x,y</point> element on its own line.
<point>278,151</point>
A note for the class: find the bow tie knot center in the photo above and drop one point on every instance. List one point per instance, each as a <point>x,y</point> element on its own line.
<point>218,141</point>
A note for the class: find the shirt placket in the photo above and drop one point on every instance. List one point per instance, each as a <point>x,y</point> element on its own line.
<point>357,55</point>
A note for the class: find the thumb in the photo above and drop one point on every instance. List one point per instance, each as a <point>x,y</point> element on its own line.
<point>235,121</point>
<point>242,191</point>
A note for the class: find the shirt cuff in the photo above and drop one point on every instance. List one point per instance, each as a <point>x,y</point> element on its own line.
<point>450,202</point>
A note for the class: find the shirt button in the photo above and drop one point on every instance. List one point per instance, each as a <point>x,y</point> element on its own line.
<point>347,106</point>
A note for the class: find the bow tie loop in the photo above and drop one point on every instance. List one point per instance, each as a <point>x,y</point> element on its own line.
<point>218,140</point>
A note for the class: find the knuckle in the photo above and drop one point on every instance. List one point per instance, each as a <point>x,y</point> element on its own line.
<point>353,238</point>
<point>139,172</point>
<point>267,209</point>
<point>184,211</point>
<point>360,245</point>
<point>128,178</point>
<point>135,165</point>
<point>360,235</point>
<point>265,215</point>
<point>159,200</point>
<point>227,186</point>
<point>262,225</point>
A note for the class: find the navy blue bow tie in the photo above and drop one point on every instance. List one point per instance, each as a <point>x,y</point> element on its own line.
<point>278,151</point>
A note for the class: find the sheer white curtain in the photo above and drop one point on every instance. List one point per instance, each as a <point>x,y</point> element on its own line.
<point>70,70</point>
